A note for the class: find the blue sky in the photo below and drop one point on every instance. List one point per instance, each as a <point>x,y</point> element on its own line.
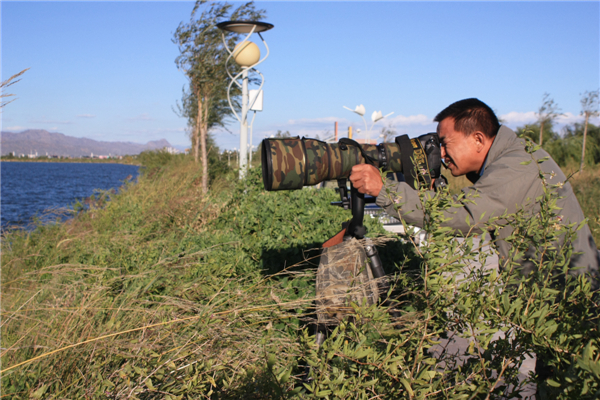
<point>106,71</point>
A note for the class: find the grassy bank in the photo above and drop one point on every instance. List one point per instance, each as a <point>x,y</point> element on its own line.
<point>166,294</point>
<point>166,278</point>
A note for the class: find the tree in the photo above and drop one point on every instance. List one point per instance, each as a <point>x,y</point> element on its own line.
<point>281,134</point>
<point>4,84</point>
<point>532,131</point>
<point>546,113</point>
<point>589,108</point>
<point>202,58</point>
<point>388,133</point>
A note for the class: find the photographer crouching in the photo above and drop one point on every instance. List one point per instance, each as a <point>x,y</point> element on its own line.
<point>504,180</point>
<point>494,159</point>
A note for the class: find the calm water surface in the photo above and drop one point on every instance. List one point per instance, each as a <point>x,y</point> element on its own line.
<point>32,188</point>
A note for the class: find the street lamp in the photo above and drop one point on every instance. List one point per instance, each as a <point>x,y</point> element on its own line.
<point>375,117</point>
<point>247,55</point>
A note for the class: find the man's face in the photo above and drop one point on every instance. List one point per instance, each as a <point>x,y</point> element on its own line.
<point>459,152</point>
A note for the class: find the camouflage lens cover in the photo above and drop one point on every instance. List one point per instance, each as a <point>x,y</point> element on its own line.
<point>350,156</point>
<point>392,151</point>
<point>318,161</point>
<point>392,156</point>
<point>291,163</point>
<point>283,163</point>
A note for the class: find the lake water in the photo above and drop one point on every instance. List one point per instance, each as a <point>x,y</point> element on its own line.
<point>31,188</point>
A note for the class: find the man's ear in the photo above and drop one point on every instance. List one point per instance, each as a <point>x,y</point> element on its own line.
<point>480,140</point>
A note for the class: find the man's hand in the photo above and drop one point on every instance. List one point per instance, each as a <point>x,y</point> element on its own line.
<point>366,179</point>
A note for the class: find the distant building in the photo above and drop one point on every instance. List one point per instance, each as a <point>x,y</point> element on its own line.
<point>171,150</point>
<point>366,141</point>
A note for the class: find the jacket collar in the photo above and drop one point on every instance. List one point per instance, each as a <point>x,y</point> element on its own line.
<point>503,140</point>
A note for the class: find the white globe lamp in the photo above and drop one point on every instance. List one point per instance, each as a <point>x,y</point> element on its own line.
<point>246,53</point>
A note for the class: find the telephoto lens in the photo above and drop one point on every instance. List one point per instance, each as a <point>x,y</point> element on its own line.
<point>292,163</point>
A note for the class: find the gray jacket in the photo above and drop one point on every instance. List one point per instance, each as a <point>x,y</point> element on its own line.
<point>506,185</point>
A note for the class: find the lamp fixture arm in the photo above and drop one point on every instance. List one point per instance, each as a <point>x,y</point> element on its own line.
<point>229,97</point>
<point>227,64</point>
<point>367,130</point>
<point>266,47</point>
<point>231,52</point>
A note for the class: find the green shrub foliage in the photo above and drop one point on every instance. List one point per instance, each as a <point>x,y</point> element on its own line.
<point>164,294</point>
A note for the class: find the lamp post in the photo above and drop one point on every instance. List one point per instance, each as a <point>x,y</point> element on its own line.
<point>247,55</point>
<point>376,116</point>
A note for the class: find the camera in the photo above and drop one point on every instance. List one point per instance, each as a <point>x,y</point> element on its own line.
<point>292,163</point>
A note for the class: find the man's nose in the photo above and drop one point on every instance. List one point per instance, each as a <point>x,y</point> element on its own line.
<point>443,151</point>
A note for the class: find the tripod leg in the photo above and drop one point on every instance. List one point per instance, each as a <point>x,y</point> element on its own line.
<point>378,272</point>
<point>320,336</point>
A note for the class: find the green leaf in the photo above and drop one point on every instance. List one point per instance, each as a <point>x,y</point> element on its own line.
<point>149,384</point>
<point>40,392</point>
<point>284,376</point>
<point>407,386</point>
<point>271,360</point>
<point>552,383</point>
<point>362,353</point>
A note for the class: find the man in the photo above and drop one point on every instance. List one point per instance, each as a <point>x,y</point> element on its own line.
<point>504,179</point>
<point>494,159</point>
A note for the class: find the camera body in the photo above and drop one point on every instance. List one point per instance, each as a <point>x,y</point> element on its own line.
<point>292,163</point>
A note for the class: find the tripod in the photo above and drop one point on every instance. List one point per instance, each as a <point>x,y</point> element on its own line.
<point>354,229</point>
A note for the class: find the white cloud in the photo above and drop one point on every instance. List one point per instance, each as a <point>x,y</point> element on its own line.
<point>142,117</point>
<point>401,120</point>
<point>155,131</point>
<point>45,120</point>
<point>569,118</point>
<point>86,116</point>
<point>172,135</point>
<point>318,122</point>
<point>515,118</point>
<point>15,128</point>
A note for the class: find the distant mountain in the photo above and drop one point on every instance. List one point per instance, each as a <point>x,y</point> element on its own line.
<point>42,142</point>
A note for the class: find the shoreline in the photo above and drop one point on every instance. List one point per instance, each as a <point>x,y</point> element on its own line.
<point>76,161</point>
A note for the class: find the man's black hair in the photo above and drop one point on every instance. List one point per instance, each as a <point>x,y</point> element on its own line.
<point>471,115</point>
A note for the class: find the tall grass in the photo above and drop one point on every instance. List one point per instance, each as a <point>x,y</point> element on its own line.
<point>161,284</point>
